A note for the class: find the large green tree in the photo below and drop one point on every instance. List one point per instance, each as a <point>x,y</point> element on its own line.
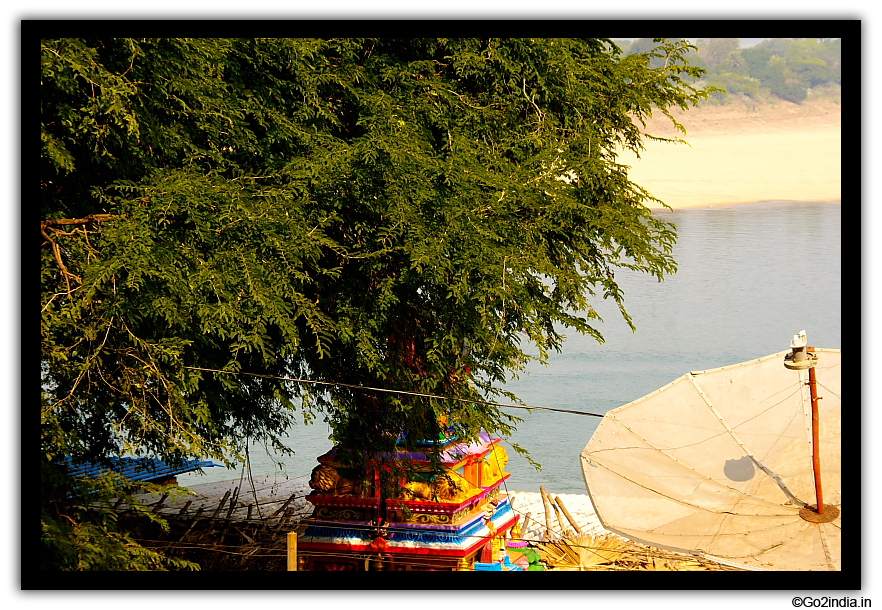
<point>396,214</point>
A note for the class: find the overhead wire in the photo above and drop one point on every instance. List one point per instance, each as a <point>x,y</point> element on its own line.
<point>391,391</point>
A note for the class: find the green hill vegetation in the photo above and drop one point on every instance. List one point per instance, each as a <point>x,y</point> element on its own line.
<point>791,69</point>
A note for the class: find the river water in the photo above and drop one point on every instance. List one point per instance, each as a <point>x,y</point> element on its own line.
<point>750,277</point>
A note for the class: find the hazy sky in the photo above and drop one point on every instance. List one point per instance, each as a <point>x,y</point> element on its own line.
<point>745,42</point>
<point>749,42</point>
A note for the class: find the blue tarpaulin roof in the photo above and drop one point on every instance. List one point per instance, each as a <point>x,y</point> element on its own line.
<point>138,469</point>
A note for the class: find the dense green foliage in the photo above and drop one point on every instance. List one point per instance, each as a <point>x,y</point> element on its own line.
<point>785,67</point>
<point>387,213</point>
<point>80,532</point>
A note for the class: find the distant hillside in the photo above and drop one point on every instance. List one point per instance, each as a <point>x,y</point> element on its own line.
<point>791,69</point>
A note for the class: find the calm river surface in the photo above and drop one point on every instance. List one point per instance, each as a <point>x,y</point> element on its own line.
<point>750,277</point>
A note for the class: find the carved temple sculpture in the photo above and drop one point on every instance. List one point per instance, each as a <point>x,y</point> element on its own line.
<point>449,522</point>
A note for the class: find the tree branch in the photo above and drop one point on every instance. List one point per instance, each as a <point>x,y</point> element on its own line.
<point>56,250</point>
<point>52,222</point>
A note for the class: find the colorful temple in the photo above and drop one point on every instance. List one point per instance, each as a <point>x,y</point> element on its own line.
<point>458,520</point>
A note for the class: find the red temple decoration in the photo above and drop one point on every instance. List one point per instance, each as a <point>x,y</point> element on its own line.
<point>455,520</point>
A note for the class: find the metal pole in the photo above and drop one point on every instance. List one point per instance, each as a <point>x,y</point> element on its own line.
<point>816,457</point>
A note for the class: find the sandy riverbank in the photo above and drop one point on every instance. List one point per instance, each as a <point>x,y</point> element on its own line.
<point>738,154</point>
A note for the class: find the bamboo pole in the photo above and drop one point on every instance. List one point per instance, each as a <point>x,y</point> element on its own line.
<point>220,506</point>
<point>546,503</point>
<point>287,517</point>
<point>233,502</point>
<point>266,521</point>
<point>292,551</point>
<point>160,503</point>
<point>193,522</point>
<point>568,515</point>
<point>563,530</point>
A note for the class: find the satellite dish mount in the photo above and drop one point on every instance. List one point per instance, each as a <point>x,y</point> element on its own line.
<point>803,357</point>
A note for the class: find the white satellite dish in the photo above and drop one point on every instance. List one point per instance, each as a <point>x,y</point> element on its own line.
<point>720,463</point>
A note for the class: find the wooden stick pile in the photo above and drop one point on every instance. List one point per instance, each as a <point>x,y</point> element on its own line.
<point>576,551</point>
<point>218,539</point>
